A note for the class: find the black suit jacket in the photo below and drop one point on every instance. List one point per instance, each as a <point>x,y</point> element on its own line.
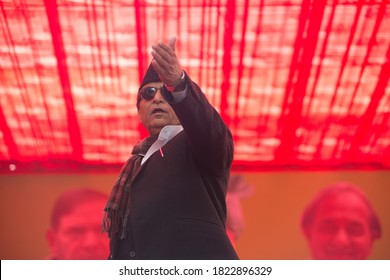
<point>178,208</point>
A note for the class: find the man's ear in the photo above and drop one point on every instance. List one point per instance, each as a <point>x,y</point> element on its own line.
<point>307,232</point>
<point>51,237</point>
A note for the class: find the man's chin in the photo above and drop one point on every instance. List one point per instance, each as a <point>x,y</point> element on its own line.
<point>90,256</point>
<point>341,257</point>
<point>156,126</point>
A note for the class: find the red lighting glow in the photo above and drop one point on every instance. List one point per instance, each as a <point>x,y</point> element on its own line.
<point>301,83</point>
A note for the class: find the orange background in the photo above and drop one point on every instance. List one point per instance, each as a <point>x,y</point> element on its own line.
<point>272,214</point>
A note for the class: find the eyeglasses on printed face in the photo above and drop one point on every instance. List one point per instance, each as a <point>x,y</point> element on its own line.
<point>148,93</point>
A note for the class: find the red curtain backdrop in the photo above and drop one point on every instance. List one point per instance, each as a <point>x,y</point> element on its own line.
<point>303,84</point>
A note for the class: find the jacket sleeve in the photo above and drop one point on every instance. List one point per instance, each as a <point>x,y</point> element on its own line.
<point>209,138</point>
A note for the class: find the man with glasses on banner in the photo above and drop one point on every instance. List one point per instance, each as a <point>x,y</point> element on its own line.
<point>169,199</point>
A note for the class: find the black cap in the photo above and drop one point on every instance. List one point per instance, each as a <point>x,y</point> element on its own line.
<point>150,77</point>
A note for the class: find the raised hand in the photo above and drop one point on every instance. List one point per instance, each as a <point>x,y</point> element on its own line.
<point>166,63</point>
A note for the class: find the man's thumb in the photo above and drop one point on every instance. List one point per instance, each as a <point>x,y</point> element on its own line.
<point>172,42</point>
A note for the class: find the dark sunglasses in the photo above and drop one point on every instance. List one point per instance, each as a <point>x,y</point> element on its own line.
<point>148,93</point>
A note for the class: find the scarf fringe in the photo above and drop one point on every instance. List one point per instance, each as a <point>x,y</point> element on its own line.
<point>114,223</point>
<point>117,211</point>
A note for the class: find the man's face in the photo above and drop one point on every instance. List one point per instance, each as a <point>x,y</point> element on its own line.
<point>156,113</point>
<point>79,236</point>
<point>341,229</point>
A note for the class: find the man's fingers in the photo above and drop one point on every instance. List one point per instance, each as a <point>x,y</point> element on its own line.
<point>165,61</point>
<point>158,69</point>
<point>164,52</point>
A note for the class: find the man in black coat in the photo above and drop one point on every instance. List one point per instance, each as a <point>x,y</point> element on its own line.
<point>169,200</point>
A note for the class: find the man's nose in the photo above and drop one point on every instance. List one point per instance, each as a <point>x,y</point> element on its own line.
<point>341,237</point>
<point>91,239</point>
<point>158,97</point>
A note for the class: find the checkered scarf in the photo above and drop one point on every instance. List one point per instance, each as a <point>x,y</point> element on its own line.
<point>117,211</point>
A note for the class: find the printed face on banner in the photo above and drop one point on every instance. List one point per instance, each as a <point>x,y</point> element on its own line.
<point>79,235</point>
<point>341,229</point>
